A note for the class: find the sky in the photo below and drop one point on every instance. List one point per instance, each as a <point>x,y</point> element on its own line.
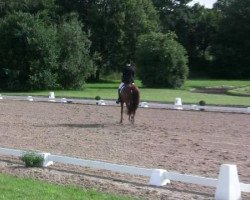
<point>206,3</point>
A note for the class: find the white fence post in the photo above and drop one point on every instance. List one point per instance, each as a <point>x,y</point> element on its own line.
<point>178,104</point>
<point>30,98</point>
<point>52,97</point>
<point>144,104</point>
<point>46,162</point>
<point>63,100</point>
<point>158,177</point>
<point>228,187</point>
<point>101,102</point>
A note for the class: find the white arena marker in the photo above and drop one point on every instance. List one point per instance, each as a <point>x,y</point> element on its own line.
<point>194,107</point>
<point>63,100</point>
<point>178,104</point>
<point>158,178</point>
<point>101,103</point>
<point>47,162</point>
<point>1,96</point>
<point>248,109</point>
<point>30,98</point>
<point>144,105</point>
<point>228,186</point>
<point>52,96</point>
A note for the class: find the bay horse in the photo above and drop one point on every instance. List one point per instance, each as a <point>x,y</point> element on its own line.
<point>130,95</point>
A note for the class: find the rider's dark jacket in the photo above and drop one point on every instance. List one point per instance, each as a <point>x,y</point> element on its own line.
<point>128,75</point>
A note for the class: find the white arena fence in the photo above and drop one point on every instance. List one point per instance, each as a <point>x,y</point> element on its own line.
<point>227,185</point>
<point>176,106</point>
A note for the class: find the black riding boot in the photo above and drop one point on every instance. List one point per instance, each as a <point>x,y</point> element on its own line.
<point>119,97</point>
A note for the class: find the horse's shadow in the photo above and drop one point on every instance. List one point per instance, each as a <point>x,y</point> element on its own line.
<point>81,125</point>
<point>96,125</point>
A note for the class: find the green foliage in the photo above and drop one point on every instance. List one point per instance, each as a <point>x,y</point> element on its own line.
<point>97,98</point>
<point>29,6</point>
<point>35,54</point>
<point>23,188</point>
<point>202,103</point>
<point>195,28</point>
<point>108,90</point>
<point>32,159</point>
<point>28,54</point>
<point>47,44</point>
<point>161,60</point>
<point>115,27</point>
<point>231,48</point>
<point>242,91</point>
<point>75,63</point>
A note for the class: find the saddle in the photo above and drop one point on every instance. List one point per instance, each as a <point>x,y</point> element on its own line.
<point>123,87</point>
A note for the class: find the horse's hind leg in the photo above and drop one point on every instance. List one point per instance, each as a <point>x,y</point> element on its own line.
<point>131,117</point>
<point>121,112</point>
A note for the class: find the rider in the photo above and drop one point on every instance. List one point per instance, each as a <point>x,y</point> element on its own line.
<point>127,78</point>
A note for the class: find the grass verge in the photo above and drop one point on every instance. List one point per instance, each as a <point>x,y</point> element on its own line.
<point>19,188</point>
<point>108,90</point>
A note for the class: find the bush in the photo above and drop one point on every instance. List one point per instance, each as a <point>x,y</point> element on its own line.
<point>202,103</point>
<point>28,55</point>
<point>161,60</point>
<point>32,159</point>
<point>97,98</point>
<point>36,54</point>
<point>75,62</point>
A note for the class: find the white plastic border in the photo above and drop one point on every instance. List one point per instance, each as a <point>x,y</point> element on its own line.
<point>227,185</point>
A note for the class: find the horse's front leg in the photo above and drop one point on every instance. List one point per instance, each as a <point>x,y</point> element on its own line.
<point>121,112</point>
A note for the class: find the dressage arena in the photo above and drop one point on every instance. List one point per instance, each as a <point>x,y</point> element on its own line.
<point>191,142</point>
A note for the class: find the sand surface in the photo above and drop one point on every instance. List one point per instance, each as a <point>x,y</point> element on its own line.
<point>191,142</point>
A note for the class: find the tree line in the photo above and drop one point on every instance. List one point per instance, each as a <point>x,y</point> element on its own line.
<point>47,44</point>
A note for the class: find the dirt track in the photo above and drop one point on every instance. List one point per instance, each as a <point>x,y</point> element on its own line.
<point>183,141</point>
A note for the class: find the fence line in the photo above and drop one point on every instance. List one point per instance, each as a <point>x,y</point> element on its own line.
<point>229,109</point>
<point>228,177</point>
<point>102,165</point>
<point>210,182</point>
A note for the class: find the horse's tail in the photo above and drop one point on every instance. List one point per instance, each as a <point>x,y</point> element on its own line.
<point>135,99</point>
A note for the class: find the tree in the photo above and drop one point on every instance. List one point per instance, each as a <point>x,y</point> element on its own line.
<point>200,37</point>
<point>38,54</point>
<point>28,54</point>
<point>222,5</point>
<point>75,63</point>
<point>161,60</point>
<point>174,15</point>
<point>195,28</point>
<point>232,42</point>
<point>28,6</point>
<point>115,27</point>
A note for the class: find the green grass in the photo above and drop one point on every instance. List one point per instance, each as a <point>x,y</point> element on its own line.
<point>241,91</point>
<point>187,97</point>
<point>108,90</point>
<point>215,83</point>
<point>27,189</point>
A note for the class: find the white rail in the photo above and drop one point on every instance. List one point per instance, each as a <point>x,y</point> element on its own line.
<point>102,165</point>
<point>11,152</point>
<point>211,182</point>
<point>228,177</point>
